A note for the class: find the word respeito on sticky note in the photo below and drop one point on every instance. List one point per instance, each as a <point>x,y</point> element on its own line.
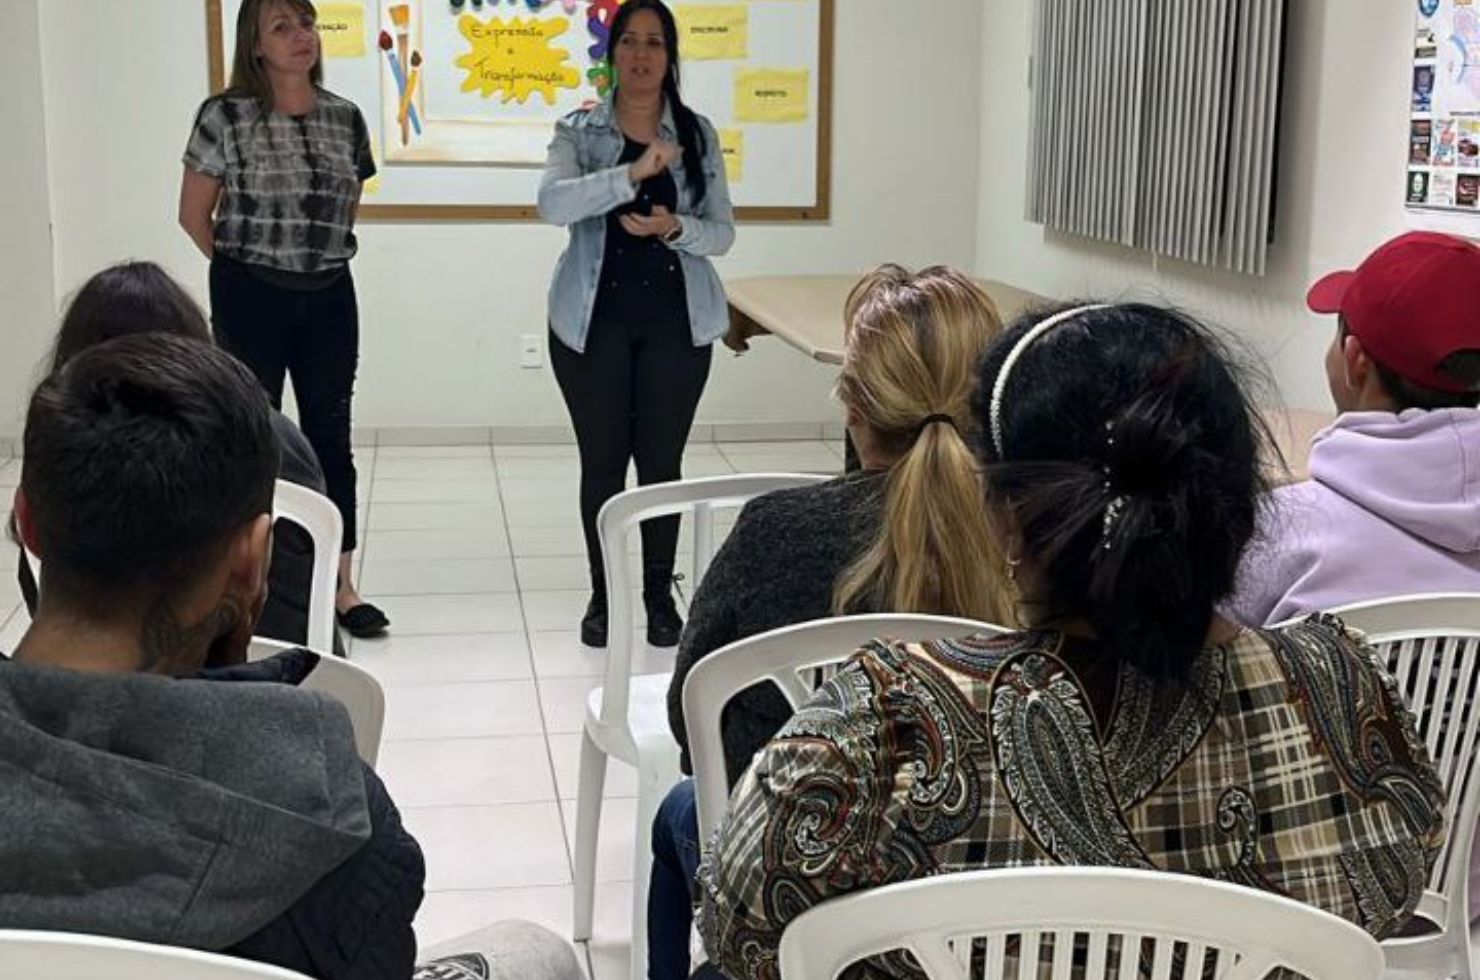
<point>771,95</point>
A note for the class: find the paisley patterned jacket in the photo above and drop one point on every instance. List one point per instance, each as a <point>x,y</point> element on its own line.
<point>1284,761</point>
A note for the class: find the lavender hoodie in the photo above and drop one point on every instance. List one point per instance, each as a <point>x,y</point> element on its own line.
<point>1392,507</point>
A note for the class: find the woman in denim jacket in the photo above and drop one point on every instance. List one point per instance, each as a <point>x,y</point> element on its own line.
<point>635,304</point>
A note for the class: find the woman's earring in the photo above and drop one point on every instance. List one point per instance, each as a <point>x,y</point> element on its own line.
<point>1012,566</point>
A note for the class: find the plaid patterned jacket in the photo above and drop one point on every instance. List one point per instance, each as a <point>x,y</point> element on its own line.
<point>1284,761</point>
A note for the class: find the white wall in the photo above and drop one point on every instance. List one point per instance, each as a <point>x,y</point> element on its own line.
<point>443,305</point>
<point>1341,170</point>
<point>26,281</point>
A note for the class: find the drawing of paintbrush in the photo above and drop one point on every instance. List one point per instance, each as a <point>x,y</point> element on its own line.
<point>401,20</point>
<point>400,78</point>
<point>411,80</point>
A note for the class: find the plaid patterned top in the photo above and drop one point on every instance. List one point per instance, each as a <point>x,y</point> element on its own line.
<point>1284,761</point>
<point>289,184</point>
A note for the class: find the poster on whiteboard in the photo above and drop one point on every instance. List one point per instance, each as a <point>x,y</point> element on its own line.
<point>462,96</point>
<point>1444,129</point>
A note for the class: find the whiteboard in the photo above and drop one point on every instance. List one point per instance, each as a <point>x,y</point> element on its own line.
<point>495,75</point>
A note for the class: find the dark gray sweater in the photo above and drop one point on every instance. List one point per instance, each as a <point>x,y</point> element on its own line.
<point>777,568</point>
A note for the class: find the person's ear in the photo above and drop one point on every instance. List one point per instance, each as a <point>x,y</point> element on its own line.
<point>245,593</point>
<point>1357,366</point>
<point>250,554</point>
<point>25,523</point>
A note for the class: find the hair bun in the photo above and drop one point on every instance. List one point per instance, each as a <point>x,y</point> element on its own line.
<point>1147,448</point>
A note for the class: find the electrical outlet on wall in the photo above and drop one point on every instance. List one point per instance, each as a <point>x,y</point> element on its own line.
<point>531,350</point>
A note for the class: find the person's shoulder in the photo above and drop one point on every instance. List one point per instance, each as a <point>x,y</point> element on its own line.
<point>335,101</point>
<point>226,108</point>
<point>798,513</point>
<point>890,675</point>
<point>1355,708</point>
<point>582,118</point>
<point>336,107</point>
<point>828,498</point>
<point>1315,651</point>
<point>705,123</point>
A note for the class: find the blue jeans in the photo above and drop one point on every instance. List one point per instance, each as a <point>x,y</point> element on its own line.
<point>671,891</point>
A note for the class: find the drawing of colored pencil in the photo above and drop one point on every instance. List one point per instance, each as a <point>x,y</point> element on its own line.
<point>411,81</point>
<point>400,78</point>
<point>401,20</point>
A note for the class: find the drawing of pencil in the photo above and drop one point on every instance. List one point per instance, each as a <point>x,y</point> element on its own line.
<point>400,78</point>
<point>410,91</point>
<point>401,20</point>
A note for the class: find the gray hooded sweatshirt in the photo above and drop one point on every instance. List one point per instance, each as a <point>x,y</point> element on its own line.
<point>182,812</point>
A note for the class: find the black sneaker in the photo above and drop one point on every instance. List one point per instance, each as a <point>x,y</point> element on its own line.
<point>593,624</point>
<point>664,626</point>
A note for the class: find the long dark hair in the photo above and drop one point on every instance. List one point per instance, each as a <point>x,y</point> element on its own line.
<point>248,78</point>
<point>690,133</point>
<point>124,299</point>
<point>1130,466</point>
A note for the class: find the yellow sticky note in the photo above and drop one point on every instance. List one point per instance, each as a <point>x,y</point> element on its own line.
<point>732,148</point>
<point>341,25</point>
<point>712,32</point>
<point>771,95</point>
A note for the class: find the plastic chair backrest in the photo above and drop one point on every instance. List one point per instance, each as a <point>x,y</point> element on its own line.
<point>318,516</point>
<point>1081,922</point>
<point>33,955</point>
<point>1431,644</point>
<point>348,683</point>
<point>624,512</point>
<point>796,659</point>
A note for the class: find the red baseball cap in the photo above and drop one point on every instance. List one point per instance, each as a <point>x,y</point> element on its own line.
<point>1411,303</point>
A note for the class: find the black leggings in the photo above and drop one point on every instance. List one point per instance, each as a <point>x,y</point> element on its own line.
<point>313,335</point>
<point>631,396</point>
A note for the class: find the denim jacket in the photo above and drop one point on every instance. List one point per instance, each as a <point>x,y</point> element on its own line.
<point>583,182</point>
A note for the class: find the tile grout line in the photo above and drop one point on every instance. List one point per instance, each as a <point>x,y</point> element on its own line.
<point>365,530</point>
<point>565,832</point>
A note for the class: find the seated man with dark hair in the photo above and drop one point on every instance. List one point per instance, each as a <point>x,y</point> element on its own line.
<point>142,798</point>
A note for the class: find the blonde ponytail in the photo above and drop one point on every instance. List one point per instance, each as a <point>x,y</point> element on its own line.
<point>913,344</point>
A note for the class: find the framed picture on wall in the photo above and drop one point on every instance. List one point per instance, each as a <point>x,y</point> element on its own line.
<point>462,96</point>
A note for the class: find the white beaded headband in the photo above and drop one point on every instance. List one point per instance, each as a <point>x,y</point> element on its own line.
<point>1000,387</point>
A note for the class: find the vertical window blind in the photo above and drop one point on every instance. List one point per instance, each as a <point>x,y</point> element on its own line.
<point>1154,124</point>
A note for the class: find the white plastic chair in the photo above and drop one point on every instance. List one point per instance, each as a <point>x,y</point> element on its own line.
<point>974,924</point>
<point>627,717</point>
<point>1431,643</point>
<point>32,955</point>
<point>318,516</point>
<point>348,683</point>
<point>790,658</point>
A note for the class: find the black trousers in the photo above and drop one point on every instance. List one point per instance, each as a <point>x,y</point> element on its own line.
<point>631,397</point>
<point>312,335</point>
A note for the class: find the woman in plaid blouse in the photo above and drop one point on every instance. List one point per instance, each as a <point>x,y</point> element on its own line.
<point>1130,726</point>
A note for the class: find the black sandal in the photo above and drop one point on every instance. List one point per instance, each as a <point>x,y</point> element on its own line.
<point>363,621</point>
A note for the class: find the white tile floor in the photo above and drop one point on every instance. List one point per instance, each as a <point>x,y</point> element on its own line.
<point>476,555</point>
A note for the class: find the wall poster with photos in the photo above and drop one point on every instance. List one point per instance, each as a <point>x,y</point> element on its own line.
<point>1443,174</point>
<point>461,96</point>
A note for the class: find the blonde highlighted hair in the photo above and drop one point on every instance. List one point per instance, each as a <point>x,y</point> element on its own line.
<point>912,348</point>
